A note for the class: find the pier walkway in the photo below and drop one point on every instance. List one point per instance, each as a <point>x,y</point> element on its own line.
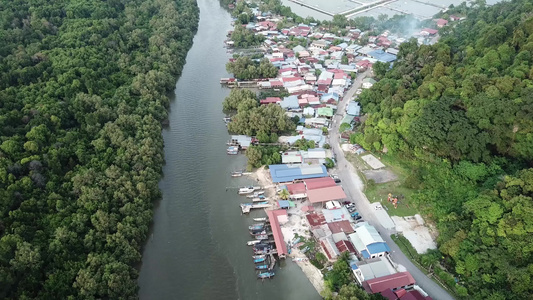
<point>313,7</point>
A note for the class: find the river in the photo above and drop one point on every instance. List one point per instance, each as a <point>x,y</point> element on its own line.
<point>197,245</point>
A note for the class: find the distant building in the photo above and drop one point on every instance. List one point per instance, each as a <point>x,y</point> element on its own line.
<point>368,83</point>
<point>441,22</point>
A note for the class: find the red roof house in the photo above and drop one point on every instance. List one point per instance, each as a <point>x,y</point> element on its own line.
<point>341,226</point>
<point>318,183</point>
<point>276,230</point>
<point>344,246</point>
<point>326,194</point>
<point>390,282</point>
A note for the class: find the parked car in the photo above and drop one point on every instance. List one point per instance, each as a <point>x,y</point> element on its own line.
<point>347,202</point>
<point>354,214</point>
<point>335,178</point>
<point>351,205</point>
<point>352,209</point>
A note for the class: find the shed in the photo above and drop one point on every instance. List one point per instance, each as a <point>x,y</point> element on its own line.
<point>325,111</point>
<point>326,194</point>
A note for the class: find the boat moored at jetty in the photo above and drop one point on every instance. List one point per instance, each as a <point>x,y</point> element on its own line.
<point>261,267</point>
<point>248,189</point>
<point>256,194</point>
<point>251,243</point>
<point>259,260</point>
<point>264,275</point>
<point>260,219</point>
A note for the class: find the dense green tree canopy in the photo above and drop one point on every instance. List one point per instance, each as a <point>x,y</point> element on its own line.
<point>459,113</point>
<point>83,92</point>
<point>245,68</point>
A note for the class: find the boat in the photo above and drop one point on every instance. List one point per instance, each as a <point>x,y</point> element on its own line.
<point>256,227</point>
<point>261,267</point>
<point>251,243</point>
<point>233,150</point>
<point>258,232</point>
<point>262,237</point>
<point>226,119</point>
<point>260,219</point>
<point>264,275</point>
<point>258,256</point>
<point>236,174</point>
<point>256,194</point>
<point>261,198</point>
<point>259,260</point>
<point>248,189</point>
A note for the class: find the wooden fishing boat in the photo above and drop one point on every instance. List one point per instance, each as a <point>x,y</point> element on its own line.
<point>264,275</point>
<point>259,260</point>
<point>251,243</point>
<point>260,219</point>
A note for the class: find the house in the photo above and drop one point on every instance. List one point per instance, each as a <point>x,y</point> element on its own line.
<point>293,157</point>
<point>402,294</point>
<point>321,44</point>
<point>368,241</point>
<point>289,173</point>
<point>352,48</point>
<point>277,217</point>
<point>325,112</point>
<point>341,226</point>
<point>353,109</point>
<point>441,22</point>
<point>397,281</point>
<point>368,83</point>
<point>290,102</point>
<point>270,100</point>
<point>371,268</point>
<point>382,56</point>
<point>454,18</point>
<point>429,31</point>
<point>240,140</point>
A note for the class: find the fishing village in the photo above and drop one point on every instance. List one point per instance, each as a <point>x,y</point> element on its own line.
<point>299,209</point>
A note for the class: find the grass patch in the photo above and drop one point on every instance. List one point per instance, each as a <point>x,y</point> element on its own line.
<point>379,193</point>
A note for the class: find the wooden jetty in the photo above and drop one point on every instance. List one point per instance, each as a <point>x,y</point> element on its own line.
<point>272,262</point>
<point>246,207</point>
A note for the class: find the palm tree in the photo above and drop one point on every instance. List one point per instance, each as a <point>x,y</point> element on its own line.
<point>284,194</point>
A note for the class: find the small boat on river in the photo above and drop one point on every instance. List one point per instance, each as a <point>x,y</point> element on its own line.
<point>236,174</point>
<point>260,219</point>
<point>256,194</point>
<point>264,275</point>
<point>261,237</point>
<point>251,243</point>
<point>258,256</point>
<point>233,150</point>
<point>258,226</point>
<point>259,260</point>
<point>248,189</point>
<point>261,267</point>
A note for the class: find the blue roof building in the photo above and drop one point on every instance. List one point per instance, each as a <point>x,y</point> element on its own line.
<point>353,108</point>
<point>290,102</point>
<point>382,56</point>
<point>289,173</point>
<point>368,242</point>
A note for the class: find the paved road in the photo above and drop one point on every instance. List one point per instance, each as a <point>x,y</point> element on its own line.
<point>353,187</point>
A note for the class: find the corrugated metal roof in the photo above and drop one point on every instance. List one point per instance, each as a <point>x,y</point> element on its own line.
<point>393,281</point>
<point>276,230</point>
<point>318,183</point>
<point>287,173</point>
<point>326,194</point>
